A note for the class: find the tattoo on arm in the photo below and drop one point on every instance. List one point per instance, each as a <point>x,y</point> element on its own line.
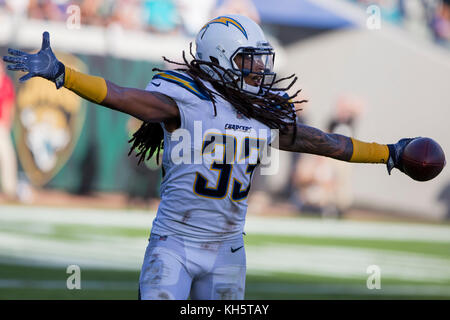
<point>315,141</point>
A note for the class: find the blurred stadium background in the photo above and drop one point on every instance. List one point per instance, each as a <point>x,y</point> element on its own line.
<point>72,196</point>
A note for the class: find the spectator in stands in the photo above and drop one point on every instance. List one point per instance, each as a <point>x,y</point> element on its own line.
<point>96,12</point>
<point>416,17</point>
<point>315,182</point>
<point>160,16</point>
<point>8,164</point>
<point>128,14</point>
<point>347,111</point>
<point>441,23</point>
<point>242,7</point>
<point>47,10</point>
<point>194,14</point>
<point>324,184</point>
<point>16,7</point>
<point>444,198</point>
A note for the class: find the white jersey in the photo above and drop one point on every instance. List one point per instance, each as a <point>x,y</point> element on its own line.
<point>203,192</point>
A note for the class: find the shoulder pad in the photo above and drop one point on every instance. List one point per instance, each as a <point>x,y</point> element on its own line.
<point>183,81</point>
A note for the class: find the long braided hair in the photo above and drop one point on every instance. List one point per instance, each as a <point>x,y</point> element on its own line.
<point>272,109</point>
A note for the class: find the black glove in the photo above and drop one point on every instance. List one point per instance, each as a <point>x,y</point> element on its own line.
<point>42,64</point>
<point>395,154</point>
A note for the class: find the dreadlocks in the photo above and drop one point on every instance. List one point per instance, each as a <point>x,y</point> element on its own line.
<point>272,109</point>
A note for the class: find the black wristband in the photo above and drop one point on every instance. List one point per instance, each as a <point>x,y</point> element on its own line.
<point>392,151</point>
<point>396,158</point>
<point>60,75</point>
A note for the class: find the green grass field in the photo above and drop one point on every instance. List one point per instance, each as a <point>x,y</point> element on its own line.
<point>287,258</point>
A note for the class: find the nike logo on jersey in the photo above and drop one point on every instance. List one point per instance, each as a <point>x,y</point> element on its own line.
<point>156,84</point>
<point>234,250</point>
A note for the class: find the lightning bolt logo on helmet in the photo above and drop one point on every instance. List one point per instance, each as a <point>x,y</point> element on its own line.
<point>225,21</point>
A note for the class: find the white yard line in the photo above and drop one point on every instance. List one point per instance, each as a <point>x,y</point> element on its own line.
<point>94,217</point>
<point>346,262</point>
<point>348,229</point>
<point>27,244</point>
<point>118,253</point>
<point>254,225</point>
<point>127,254</point>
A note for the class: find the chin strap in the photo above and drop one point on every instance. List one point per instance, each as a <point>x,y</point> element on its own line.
<point>250,89</point>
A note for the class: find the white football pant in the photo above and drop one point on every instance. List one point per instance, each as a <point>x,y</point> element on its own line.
<point>178,268</point>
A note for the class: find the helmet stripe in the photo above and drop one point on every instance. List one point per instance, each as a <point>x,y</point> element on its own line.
<point>225,21</point>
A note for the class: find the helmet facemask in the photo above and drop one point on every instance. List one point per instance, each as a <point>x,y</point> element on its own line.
<point>254,69</point>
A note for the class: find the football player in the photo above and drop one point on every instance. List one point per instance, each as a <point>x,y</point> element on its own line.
<point>196,247</point>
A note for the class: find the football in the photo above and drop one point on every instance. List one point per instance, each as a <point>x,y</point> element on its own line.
<point>423,159</point>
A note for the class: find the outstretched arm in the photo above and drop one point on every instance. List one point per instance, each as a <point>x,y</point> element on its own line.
<point>144,105</point>
<point>311,140</point>
<point>303,138</point>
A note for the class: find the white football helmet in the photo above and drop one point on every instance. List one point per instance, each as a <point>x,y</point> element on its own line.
<point>224,38</point>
